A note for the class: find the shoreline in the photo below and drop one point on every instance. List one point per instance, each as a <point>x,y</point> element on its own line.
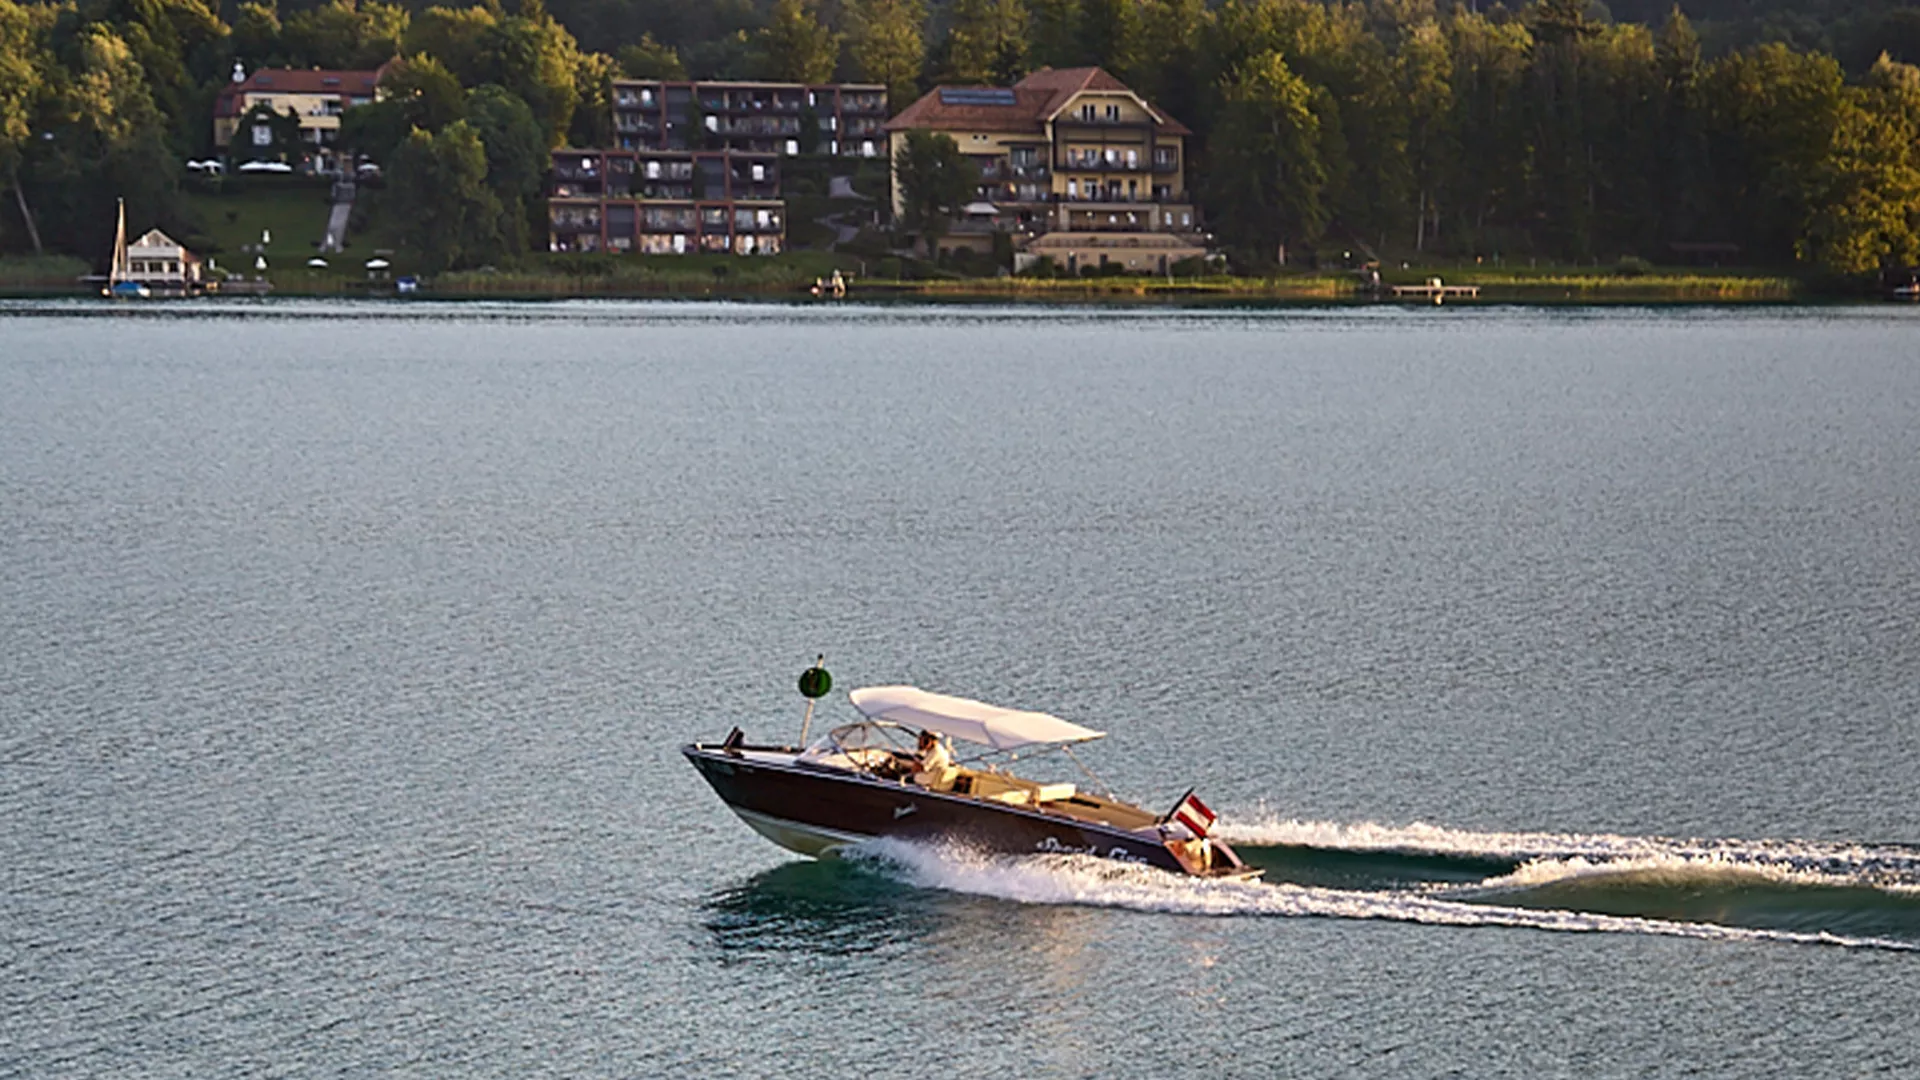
<point>793,277</point>
<point>1106,290</point>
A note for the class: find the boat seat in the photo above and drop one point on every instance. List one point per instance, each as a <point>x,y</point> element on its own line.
<point>1053,792</point>
<point>1015,796</point>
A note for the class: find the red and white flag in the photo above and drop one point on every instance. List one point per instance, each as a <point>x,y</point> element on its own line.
<point>1194,815</point>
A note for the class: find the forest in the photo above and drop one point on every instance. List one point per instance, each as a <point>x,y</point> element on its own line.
<point>1761,132</point>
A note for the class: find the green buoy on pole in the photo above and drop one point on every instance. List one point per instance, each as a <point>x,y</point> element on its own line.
<point>814,684</point>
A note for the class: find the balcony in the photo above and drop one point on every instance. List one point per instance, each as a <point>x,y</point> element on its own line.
<point>740,101</point>
<point>760,125</point>
<point>1001,171</point>
<point>566,219</point>
<point>1083,163</point>
<point>1099,118</point>
<point>667,170</point>
<point>864,102</point>
<point>1109,198</point>
<point>762,221</point>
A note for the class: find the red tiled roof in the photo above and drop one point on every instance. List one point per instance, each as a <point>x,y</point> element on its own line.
<point>295,81</point>
<point>1035,98</point>
<point>1026,114</point>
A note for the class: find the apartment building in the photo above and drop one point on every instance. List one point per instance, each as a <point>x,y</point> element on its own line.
<point>846,119</point>
<point>1074,164</point>
<point>666,202</point>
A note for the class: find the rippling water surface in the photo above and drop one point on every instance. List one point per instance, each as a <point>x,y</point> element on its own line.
<point>1561,667</point>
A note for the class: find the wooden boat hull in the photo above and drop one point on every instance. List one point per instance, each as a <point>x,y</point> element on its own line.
<point>815,810</point>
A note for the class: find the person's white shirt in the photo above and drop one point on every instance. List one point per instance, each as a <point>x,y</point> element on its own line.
<point>936,766</point>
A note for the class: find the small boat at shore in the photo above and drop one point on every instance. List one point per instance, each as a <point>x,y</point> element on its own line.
<point>892,774</point>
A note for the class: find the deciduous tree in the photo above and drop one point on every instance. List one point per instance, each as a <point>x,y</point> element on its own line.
<point>1266,179</point>
<point>883,37</point>
<point>935,180</point>
<point>796,44</point>
<point>438,193</point>
<point>1425,68</point>
<point>648,59</point>
<point>986,41</point>
<point>346,34</point>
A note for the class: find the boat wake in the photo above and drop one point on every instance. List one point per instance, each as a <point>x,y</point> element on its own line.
<point>1851,895</point>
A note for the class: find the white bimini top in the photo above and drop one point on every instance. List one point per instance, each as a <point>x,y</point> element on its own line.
<point>963,718</point>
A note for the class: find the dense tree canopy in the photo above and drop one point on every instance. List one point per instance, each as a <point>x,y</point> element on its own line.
<point>1768,131</point>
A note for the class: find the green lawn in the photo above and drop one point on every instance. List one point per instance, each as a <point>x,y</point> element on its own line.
<point>42,271</point>
<point>295,215</point>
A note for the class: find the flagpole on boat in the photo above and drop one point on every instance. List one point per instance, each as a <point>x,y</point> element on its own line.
<point>814,684</point>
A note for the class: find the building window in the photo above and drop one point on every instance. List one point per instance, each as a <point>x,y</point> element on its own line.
<point>646,97</point>
<point>1113,112</point>
<point>1086,112</point>
<point>793,146</point>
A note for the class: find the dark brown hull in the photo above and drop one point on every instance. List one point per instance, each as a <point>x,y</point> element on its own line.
<point>814,809</point>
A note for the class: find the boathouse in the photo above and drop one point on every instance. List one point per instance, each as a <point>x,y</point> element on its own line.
<point>159,261</point>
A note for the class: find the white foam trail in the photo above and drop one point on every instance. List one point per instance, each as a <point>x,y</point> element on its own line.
<point>1881,866</point>
<point>1086,880</point>
<point>1676,871</point>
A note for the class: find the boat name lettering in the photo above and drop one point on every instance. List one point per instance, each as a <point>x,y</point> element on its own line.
<point>1053,846</point>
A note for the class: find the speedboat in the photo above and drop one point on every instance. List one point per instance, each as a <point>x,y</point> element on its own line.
<point>876,777</point>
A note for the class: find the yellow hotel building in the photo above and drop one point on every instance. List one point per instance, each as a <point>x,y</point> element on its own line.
<point>316,97</point>
<point>1076,166</point>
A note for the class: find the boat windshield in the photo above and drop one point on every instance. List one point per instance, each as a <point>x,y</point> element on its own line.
<point>866,744</point>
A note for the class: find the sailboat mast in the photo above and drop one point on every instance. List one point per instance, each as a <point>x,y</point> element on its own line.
<point>119,272</point>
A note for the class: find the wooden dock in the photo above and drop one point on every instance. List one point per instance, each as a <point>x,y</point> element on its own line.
<point>1435,290</point>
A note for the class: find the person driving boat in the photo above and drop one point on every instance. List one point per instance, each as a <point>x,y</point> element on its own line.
<point>936,769</point>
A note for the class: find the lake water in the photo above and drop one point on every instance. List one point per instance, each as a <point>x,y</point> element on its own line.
<point>1562,666</point>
